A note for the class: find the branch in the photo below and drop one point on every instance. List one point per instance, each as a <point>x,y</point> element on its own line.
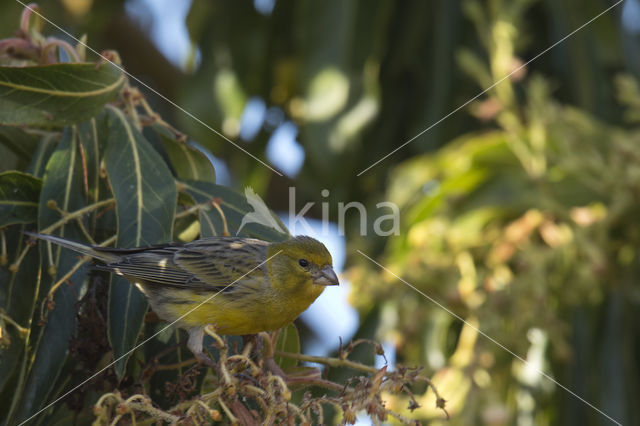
<point>331,362</point>
<point>67,217</point>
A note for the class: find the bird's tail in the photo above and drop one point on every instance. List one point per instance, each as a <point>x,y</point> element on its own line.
<point>105,257</point>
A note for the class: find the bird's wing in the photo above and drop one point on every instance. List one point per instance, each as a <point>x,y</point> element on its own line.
<point>202,265</point>
<point>223,261</point>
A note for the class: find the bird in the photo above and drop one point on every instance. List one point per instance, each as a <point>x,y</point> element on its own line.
<point>245,285</point>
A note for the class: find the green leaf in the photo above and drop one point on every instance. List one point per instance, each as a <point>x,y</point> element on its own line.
<point>324,74</point>
<point>17,140</point>
<point>146,196</point>
<point>18,301</point>
<point>56,95</point>
<point>188,162</point>
<point>288,341</point>
<point>234,206</point>
<point>170,348</point>
<point>19,194</point>
<point>63,415</point>
<point>62,183</point>
<point>89,143</point>
<point>186,228</point>
<point>42,154</point>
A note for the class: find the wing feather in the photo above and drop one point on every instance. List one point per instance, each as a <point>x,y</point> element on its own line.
<point>203,265</point>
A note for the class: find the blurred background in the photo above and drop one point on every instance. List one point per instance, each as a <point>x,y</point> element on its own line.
<point>519,212</point>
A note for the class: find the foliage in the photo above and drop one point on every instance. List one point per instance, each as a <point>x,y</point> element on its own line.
<point>518,210</point>
<point>104,168</point>
<point>528,232</point>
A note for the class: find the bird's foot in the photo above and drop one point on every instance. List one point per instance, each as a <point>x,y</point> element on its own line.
<point>204,359</point>
<point>303,375</point>
<point>271,366</point>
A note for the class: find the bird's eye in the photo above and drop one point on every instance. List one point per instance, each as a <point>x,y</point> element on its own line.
<point>303,262</point>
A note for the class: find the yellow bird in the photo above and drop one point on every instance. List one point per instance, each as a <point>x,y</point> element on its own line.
<point>246,285</point>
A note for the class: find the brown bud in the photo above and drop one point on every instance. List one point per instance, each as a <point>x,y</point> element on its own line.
<point>349,416</point>
<point>286,395</point>
<point>230,390</point>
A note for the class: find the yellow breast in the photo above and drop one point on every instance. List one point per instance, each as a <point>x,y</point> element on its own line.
<point>235,315</point>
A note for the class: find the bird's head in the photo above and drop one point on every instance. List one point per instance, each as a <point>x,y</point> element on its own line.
<point>303,264</point>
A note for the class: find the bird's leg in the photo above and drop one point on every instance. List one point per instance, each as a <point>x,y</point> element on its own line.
<point>311,373</point>
<point>269,340</point>
<point>251,343</point>
<point>194,344</point>
<point>267,353</point>
<point>270,365</point>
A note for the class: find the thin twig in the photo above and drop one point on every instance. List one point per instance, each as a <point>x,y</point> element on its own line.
<point>23,331</point>
<point>332,362</point>
<point>84,259</point>
<point>67,217</point>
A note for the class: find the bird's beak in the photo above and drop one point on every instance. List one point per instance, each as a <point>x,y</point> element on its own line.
<point>326,276</point>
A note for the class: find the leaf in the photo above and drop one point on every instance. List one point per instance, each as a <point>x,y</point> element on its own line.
<point>62,183</point>
<point>89,140</point>
<point>288,341</point>
<point>188,162</point>
<point>63,415</point>
<point>324,74</point>
<point>17,140</point>
<point>186,228</point>
<point>56,95</point>
<point>234,206</point>
<point>19,194</point>
<point>173,339</point>
<point>198,18</point>
<point>90,156</point>
<point>9,160</point>
<point>146,196</point>
<point>18,302</point>
<point>42,154</point>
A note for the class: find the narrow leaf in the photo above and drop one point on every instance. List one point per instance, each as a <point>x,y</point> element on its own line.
<point>288,341</point>
<point>17,140</point>
<point>42,154</point>
<point>62,183</point>
<point>90,154</point>
<point>161,394</point>
<point>18,302</point>
<point>186,160</point>
<point>19,195</point>
<point>146,196</point>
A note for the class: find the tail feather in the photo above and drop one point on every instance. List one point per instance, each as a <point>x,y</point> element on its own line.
<point>86,249</point>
